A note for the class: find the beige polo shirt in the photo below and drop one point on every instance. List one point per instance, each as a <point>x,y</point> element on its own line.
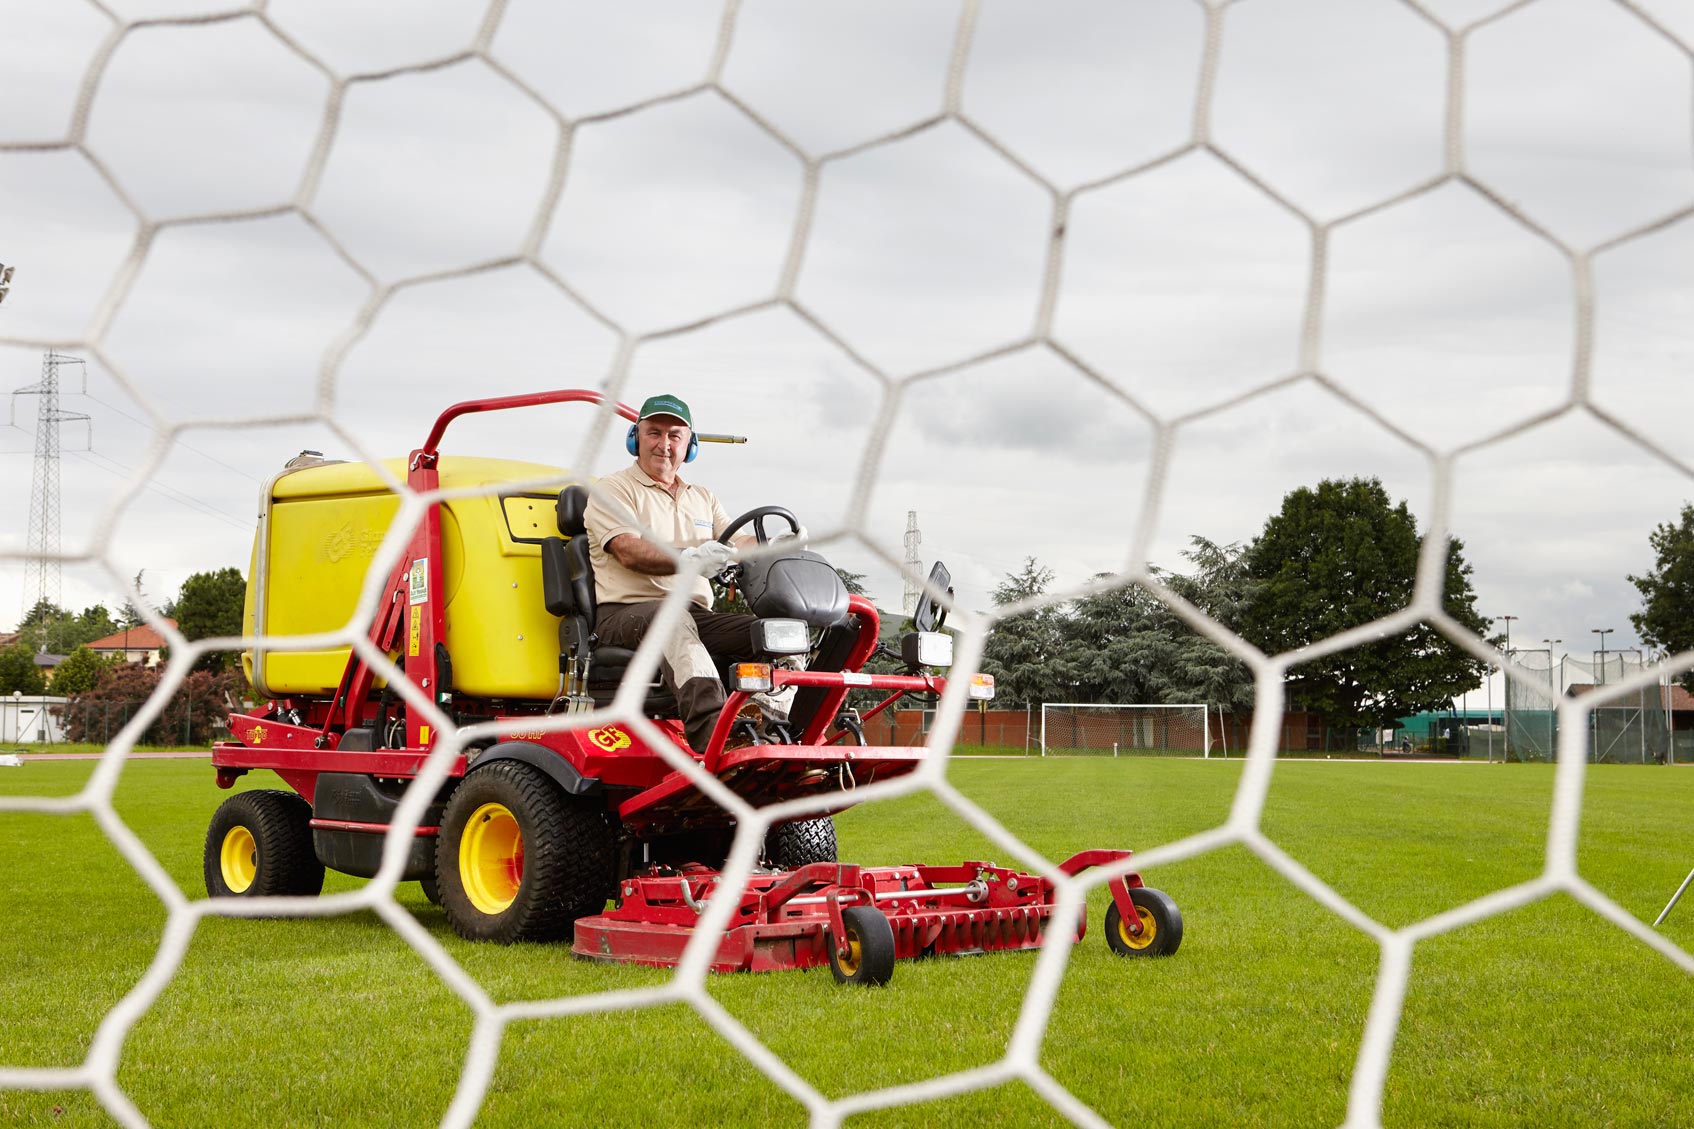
<point>631,502</point>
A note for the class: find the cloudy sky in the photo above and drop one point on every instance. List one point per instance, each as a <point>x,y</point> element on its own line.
<point>796,231</point>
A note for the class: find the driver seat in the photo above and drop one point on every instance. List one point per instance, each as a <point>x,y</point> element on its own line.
<point>567,587</point>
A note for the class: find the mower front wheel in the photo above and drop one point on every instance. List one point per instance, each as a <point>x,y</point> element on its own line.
<point>259,844</point>
<point>869,958</point>
<point>1161,925</point>
<point>518,860</point>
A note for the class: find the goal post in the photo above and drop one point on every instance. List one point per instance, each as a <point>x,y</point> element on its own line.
<point>1124,729</point>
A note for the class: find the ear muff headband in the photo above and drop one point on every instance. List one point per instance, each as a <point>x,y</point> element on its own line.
<point>693,444</point>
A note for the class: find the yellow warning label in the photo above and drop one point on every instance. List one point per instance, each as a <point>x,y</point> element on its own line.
<point>423,734</point>
<point>417,631</point>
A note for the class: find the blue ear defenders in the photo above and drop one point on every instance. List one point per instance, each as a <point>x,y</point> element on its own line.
<point>693,444</point>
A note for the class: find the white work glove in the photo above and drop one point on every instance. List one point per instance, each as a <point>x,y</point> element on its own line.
<point>799,537</point>
<point>707,559</point>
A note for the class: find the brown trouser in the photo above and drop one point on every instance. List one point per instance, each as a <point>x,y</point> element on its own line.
<point>686,666</point>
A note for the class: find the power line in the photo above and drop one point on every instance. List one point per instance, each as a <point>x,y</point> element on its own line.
<point>188,501</point>
<point>147,424</point>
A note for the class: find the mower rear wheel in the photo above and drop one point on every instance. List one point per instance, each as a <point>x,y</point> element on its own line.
<point>791,845</point>
<point>870,948</point>
<point>259,844</point>
<point>1161,925</point>
<point>518,860</point>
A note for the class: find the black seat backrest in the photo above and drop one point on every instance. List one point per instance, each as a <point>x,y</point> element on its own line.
<point>573,504</point>
<point>567,575</point>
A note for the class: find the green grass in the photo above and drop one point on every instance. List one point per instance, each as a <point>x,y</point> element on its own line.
<point>1545,1015</point>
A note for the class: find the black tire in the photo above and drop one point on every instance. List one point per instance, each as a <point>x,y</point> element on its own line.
<point>1161,925</point>
<point>431,889</point>
<point>790,845</point>
<point>259,844</point>
<point>871,940</point>
<point>518,860</point>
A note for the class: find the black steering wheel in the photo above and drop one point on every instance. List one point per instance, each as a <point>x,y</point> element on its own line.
<point>756,518</point>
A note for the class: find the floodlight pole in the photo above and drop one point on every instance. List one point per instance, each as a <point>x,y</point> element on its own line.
<point>1506,692</point>
<point>1602,632</point>
<point>1599,681</point>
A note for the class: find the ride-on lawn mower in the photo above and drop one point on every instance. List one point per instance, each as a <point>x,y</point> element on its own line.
<point>534,832</point>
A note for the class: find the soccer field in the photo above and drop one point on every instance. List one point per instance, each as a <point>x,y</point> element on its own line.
<point>1544,1015</point>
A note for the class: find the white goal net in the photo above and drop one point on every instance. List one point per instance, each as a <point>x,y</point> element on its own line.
<point>1071,729</point>
<point>271,224</point>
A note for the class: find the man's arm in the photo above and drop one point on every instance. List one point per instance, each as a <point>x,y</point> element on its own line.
<point>640,555</point>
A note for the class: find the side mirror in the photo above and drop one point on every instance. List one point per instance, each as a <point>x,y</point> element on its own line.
<point>929,615</point>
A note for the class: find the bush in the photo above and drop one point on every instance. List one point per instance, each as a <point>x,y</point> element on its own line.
<point>195,715</point>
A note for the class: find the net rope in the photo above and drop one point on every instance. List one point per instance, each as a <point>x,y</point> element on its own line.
<point>1021,1061</point>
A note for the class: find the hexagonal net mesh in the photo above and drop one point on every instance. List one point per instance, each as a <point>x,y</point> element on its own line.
<point>563,158</point>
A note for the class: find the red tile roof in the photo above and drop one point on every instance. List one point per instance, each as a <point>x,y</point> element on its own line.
<point>138,638</point>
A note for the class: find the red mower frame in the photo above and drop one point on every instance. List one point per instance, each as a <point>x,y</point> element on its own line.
<point>616,790</point>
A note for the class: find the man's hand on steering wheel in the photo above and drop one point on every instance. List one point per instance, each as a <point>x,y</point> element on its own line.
<point>708,559</point>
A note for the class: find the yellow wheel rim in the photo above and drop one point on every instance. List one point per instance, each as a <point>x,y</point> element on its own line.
<point>1149,930</point>
<point>491,858</point>
<point>238,858</point>
<point>850,963</point>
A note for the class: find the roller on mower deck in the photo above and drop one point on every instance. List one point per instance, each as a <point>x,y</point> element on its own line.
<point>491,615</point>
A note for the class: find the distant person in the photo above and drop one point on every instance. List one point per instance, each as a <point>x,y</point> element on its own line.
<point>1406,744</point>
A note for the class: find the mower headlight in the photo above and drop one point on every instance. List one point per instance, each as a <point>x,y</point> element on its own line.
<point>982,687</point>
<point>754,678</point>
<point>781,636</point>
<point>927,648</point>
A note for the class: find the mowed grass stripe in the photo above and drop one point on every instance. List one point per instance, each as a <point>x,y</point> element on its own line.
<point>1543,1015</point>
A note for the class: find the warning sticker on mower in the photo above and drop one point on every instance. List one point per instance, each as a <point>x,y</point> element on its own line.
<point>419,580</point>
<point>417,632</point>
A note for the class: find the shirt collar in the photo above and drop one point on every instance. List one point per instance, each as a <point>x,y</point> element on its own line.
<point>647,480</point>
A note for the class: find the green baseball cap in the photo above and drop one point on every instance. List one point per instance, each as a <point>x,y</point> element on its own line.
<point>666,405</point>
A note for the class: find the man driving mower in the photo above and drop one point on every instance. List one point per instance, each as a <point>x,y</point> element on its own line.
<point>637,520</point>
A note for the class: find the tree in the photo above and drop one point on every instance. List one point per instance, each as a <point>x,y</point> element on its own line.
<point>79,673</point>
<point>51,628</point>
<point>1339,556</point>
<point>1198,669</point>
<point>854,582</point>
<point>1025,652</point>
<point>1666,618</point>
<point>191,717</point>
<point>18,672</point>
<point>212,604</point>
<point>129,615</point>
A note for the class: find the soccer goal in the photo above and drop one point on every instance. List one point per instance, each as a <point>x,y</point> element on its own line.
<point>1086,729</point>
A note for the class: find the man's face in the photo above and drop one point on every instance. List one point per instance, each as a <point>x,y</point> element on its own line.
<point>661,443</point>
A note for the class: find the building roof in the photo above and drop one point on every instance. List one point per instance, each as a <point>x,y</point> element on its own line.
<point>49,661</point>
<point>141,637</point>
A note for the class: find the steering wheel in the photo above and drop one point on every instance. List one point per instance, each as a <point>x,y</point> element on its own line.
<point>756,518</point>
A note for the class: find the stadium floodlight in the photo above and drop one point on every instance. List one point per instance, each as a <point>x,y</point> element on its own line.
<point>1600,673</point>
<point>1507,620</point>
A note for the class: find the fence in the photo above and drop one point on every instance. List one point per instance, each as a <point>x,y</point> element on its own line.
<point>184,721</point>
<point>1633,729</point>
